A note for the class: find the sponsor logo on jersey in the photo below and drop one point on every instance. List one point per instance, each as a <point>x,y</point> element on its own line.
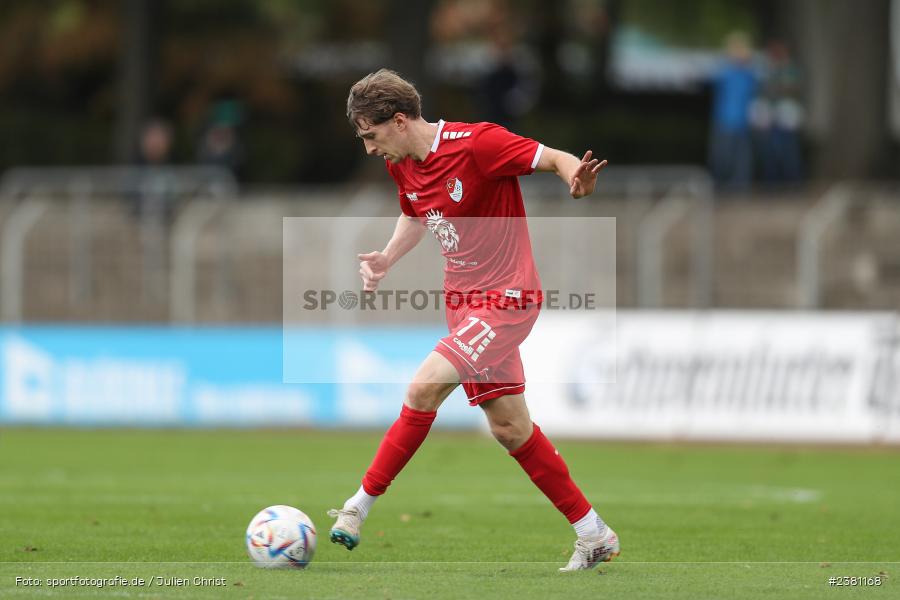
<point>513,294</point>
<point>412,196</point>
<point>455,189</point>
<point>463,263</point>
<point>466,349</point>
<point>443,230</point>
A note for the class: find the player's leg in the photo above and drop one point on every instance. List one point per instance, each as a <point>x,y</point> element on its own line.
<point>430,386</point>
<point>511,425</point>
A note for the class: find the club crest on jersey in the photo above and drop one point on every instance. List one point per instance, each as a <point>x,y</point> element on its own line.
<point>443,230</point>
<point>454,188</point>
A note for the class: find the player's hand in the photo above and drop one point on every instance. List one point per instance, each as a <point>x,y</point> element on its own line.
<point>585,177</point>
<point>372,268</point>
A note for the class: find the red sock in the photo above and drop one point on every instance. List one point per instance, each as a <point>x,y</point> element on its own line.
<point>548,471</point>
<point>399,444</point>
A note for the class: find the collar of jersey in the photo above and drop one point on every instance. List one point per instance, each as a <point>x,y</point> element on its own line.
<point>437,137</point>
<point>434,145</point>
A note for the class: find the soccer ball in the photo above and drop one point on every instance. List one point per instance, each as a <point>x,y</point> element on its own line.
<point>280,537</point>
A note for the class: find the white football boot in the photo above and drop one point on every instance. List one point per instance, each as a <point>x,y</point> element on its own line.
<point>345,530</point>
<point>589,552</point>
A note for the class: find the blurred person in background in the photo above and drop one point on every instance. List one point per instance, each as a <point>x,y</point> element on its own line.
<point>155,145</point>
<point>508,89</point>
<point>220,143</point>
<point>506,85</point>
<point>155,194</point>
<point>154,204</point>
<point>777,118</point>
<point>460,181</point>
<point>734,87</point>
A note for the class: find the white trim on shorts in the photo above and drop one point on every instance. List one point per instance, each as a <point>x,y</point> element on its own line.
<point>509,387</point>
<point>463,358</point>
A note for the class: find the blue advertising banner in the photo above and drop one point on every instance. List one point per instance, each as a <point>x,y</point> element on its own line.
<point>215,376</point>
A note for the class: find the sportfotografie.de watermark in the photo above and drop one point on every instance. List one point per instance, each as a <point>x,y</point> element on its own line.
<point>437,300</point>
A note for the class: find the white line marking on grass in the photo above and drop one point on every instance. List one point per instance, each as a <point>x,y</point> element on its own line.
<point>474,562</point>
<point>712,496</point>
<point>708,495</point>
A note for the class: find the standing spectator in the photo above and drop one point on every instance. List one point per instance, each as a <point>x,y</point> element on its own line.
<point>155,145</point>
<point>734,88</point>
<point>508,88</point>
<point>154,206</point>
<point>780,156</point>
<point>220,142</point>
<point>155,196</point>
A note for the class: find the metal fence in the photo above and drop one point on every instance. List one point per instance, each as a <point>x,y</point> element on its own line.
<point>185,245</point>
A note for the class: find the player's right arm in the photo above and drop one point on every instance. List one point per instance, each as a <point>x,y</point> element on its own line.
<point>500,153</point>
<point>374,265</point>
<point>579,175</point>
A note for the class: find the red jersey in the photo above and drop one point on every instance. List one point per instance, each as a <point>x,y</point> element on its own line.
<point>467,193</point>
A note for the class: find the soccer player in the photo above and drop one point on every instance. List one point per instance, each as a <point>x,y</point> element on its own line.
<point>459,180</point>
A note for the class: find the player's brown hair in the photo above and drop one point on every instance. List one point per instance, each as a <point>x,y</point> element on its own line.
<point>379,96</point>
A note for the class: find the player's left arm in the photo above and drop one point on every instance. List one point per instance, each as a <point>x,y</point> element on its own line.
<point>579,175</point>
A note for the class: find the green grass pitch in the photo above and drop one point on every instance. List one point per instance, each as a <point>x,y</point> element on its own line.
<point>462,521</point>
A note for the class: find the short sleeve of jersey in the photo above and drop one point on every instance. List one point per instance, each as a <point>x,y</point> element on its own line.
<point>405,205</point>
<point>501,153</point>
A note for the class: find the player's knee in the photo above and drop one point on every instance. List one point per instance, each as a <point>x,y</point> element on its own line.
<point>511,434</point>
<point>423,396</point>
<point>502,434</point>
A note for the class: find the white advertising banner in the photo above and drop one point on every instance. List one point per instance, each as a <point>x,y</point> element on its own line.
<point>754,376</point>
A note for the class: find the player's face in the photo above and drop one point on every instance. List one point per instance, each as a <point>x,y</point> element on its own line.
<point>385,140</point>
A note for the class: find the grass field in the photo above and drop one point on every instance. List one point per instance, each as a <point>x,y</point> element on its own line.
<point>462,521</point>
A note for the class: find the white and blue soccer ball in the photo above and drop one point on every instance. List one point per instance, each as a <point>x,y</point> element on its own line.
<point>281,537</point>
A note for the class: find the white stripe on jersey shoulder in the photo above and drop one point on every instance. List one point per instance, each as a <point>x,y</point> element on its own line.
<point>455,135</point>
<point>437,136</point>
<point>537,156</point>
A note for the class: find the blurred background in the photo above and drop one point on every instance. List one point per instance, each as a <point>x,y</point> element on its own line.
<point>89,81</point>
<point>152,150</point>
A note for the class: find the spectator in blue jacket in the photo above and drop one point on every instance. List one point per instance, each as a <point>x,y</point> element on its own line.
<point>734,88</point>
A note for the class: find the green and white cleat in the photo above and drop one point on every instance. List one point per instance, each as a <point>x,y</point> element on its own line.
<point>589,552</point>
<point>346,529</point>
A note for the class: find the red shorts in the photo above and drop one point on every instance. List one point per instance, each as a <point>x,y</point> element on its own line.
<point>483,345</point>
